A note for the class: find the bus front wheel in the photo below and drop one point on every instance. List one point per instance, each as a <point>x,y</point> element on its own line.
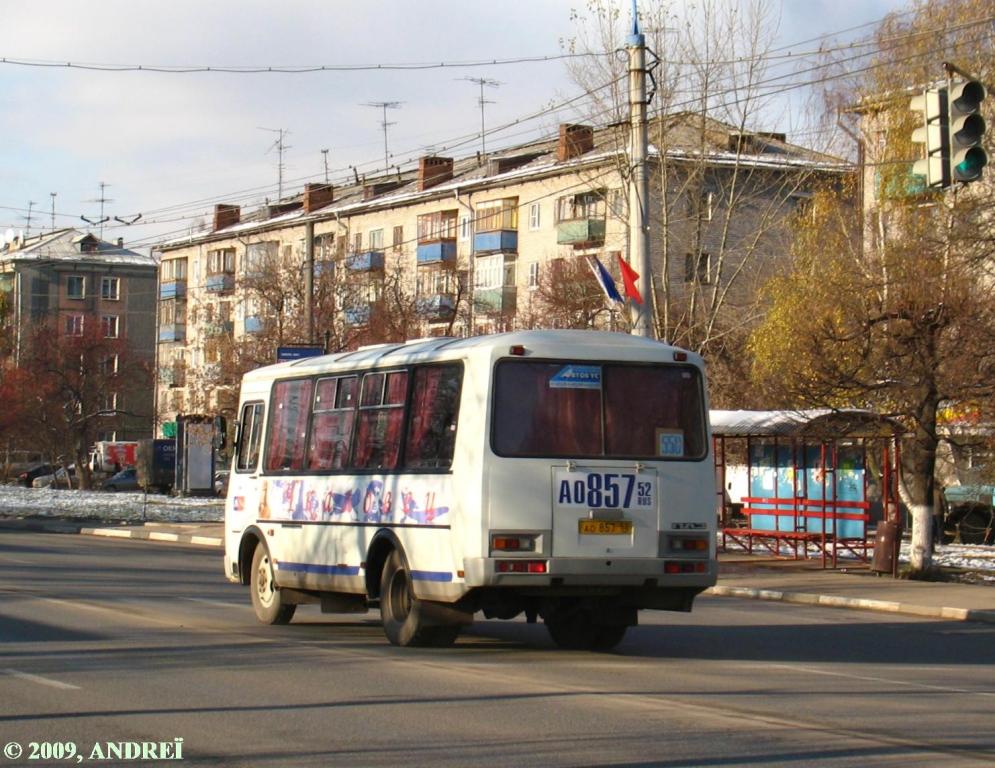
<point>267,600</point>
<point>402,621</point>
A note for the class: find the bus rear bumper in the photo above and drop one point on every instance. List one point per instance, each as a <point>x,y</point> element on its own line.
<point>647,573</point>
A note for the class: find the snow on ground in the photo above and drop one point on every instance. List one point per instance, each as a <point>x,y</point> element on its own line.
<point>104,505</point>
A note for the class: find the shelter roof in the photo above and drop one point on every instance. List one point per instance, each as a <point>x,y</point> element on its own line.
<point>821,423</point>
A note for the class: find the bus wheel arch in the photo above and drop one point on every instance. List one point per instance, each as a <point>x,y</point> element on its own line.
<point>252,537</point>
<point>384,542</point>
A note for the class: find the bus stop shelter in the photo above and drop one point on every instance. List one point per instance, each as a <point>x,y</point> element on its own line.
<point>805,483</point>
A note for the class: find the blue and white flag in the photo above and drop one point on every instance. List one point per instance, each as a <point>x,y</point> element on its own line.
<point>604,279</point>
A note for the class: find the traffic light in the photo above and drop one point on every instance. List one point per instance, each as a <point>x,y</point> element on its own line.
<point>932,132</point>
<point>966,156</point>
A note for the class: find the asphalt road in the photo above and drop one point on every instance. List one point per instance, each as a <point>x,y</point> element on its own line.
<point>107,641</point>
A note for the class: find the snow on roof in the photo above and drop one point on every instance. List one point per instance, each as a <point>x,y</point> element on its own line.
<point>67,245</point>
<point>851,422</point>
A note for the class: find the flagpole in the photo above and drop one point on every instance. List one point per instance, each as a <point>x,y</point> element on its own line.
<point>639,251</point>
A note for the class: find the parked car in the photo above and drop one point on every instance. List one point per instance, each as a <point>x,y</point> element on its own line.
<point>37,470</point>
<point>125,480</point>
<point>60,479</point>
<point>221,482</point>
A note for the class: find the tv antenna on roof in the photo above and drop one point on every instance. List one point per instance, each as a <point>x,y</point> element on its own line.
<point>483,81</point>
<point>385,105</point>
<point>280,148</point>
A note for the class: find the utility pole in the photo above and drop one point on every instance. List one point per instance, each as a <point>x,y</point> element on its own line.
<point>280,149</point>
<point>482,81</point>
<point>52,195</point>
<point>324,157</point>
<point>385,105</point>
<point>639,250</point>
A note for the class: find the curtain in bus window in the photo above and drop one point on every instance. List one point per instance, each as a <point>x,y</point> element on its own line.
<point>653,411</point>
<point>541,410</point>
<point>432,422</point>
<point>331,433</point>
<point>378,433</point>
<point>288,429</point>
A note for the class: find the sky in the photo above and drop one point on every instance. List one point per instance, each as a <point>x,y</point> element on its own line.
<point>168,146</point>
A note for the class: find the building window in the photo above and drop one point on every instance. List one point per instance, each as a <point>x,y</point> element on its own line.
<point>488,271</point>
<point>535,216</point>
<point>110,288</point>
<point>108,366</point>
<point>257,257</point>
<point>464,227</point>
<point>109,402</point>
<point>74,325</point>
<point>534,274</point>
<point>76,287</point>
<point>398,237</point>
<point>109,326</point>
<point>437,226</point>
<point>697,268</point>
<point>221,262</point>
<point>324,247</point>
<point>376,239</point>
<point>585,205</point>
<point>497,215</point>
<point>357,243</point>
<point>174,269</point>
<point>616,203</point>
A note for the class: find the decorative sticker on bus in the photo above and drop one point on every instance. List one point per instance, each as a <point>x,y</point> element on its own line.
<point>332,499</point>
<point>604,490</point>
<point>577,377</point>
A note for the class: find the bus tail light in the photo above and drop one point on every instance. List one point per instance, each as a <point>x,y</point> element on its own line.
<point>513,542</point>
<point>675,566</point>
<point>688,544</point>
<point>521,566</point>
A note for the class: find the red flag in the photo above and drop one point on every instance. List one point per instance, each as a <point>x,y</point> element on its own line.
<point>629,277</point>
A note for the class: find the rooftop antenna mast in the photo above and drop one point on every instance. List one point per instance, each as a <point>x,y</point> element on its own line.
<point>385,105</point>
<point>27,219</point>
<point>103,199</point>
<point>324,157</point>
<point>52,195</point>
<point>483,81</point>
<point>280,148</point>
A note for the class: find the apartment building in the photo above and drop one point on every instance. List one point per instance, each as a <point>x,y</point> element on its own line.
<point>462,246</point>
<point>72,281</point>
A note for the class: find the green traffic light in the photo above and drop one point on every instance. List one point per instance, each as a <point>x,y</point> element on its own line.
<point>969,168</point>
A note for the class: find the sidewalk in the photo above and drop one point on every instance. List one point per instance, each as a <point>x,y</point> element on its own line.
<point>754,577</point>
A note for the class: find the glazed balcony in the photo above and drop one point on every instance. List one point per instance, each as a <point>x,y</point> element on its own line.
<point>579,232</point>
<point>220,283</point>
<point>439,306</point>
<point>495,241</point>
<point>365,261</point>
<point>253,324</point>
<point>173,332</point>
<point>173,289</point>
<point>495,300</point>
<point>436,251</point>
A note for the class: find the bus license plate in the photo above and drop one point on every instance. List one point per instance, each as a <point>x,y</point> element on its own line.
<point>605,527</point>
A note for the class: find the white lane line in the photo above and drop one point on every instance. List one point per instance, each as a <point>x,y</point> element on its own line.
<point>41,680</point>
<point>218,603</point>
<point>874,679</point>
<point>16,560</point>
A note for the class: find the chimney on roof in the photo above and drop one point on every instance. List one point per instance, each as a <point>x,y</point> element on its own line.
<point>225,216</point>
<point>574,141</point>
<point>434,170</point>
<point>120,242</point>
<point>317,196</point>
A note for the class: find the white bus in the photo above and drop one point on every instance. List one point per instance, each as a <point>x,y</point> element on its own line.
<point>561,474</point>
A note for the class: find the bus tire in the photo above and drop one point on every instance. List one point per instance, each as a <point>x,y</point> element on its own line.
<point>402,621</point>
<point>267,600</point>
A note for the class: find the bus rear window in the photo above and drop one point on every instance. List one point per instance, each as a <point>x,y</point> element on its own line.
<point>562,409</point>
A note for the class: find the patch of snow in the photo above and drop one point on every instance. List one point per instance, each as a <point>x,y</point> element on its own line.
<point>104,505</point>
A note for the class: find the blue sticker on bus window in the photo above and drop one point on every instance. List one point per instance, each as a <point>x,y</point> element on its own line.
<point>577,377</point>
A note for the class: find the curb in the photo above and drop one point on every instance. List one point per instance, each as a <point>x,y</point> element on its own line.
<point>857,603</point>
<point>175,538</point>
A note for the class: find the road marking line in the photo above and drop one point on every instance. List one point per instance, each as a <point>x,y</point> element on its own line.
<point>41,680</point>
<point>214,602</point>
<point>874,679</point>
<point>17,560</point>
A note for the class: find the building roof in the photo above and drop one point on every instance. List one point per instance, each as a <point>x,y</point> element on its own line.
<point>685,137</point>
<point>71,245</point>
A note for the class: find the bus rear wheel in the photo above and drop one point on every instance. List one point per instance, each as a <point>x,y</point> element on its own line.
<point>267,600</point>
<point>402,621</point>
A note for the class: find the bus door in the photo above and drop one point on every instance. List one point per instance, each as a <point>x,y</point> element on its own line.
<point>605,511</point>
<point>243,502</point>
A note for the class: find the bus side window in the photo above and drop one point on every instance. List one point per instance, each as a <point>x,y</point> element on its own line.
<point>381,417</point>
<point>432,419</point>
<point>331,423</point>
<point>285,440</point>
<point>250,437</point>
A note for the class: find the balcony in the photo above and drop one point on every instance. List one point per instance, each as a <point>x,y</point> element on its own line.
<point>436,251</point>
<point>578,232</point>
<point>173,332</point>
<point>496,240</point>
<point>221,283</point>
<point>211,373</point>
<point>174,289</point>
<point>253,324</point>
<point>365,261</point>
<point>324,267</point>
<point>172,376</point>
<point>439,306</point>
<point>226,328</point>
<point>495,300</point>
